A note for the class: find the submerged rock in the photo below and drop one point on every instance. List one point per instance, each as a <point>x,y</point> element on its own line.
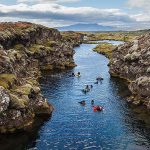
<point>25,50</point>
<point>131,61</point>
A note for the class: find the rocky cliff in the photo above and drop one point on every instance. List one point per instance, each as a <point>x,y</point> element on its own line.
<point>25,50</point>
<point>131,61</point>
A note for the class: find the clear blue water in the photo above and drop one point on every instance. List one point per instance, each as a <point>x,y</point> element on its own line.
<point>76,127</point>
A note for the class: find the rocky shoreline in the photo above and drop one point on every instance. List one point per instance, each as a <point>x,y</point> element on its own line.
<point>131,61</point>
<point>25,50</point>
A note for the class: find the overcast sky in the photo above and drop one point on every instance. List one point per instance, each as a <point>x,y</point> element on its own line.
<point>124,14</point>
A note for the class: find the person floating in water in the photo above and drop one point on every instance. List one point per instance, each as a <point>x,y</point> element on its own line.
<point>99,79</point>
<point>73,75</point>
<point>91,86</point>
<point>87,87</point>
<point>92,102</point>
<point>98,108</point>
<point>96,82</point>
<point>78,74</point>
<point>82,103</point>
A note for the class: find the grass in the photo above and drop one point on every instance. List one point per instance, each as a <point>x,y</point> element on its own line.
<point>24,89</point>
<point>6,80</point>
<point>36,48</point>
<point>47,46</point>
<point>114,35</point>
<point>105,49</point>
<point>18,47</point>
<point>111,36</point>
<point>50,44</point>
<point>17,103</point>
<point>70,35</point>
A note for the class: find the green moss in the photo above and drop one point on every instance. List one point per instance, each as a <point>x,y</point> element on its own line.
<point>71,36</point>
<point>50,44</point>
<point>14,54</point>
<point>47,67</point>
<point>36,48</point>
<point>24,90</point>
<point>4,84</point>
<point>31,29</point>
<point>16,102</point>
<point>6,80</point>
<point>32,82</point>
<point>18,47</point>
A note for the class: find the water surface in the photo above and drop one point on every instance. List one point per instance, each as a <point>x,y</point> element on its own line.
<point>77,127</point>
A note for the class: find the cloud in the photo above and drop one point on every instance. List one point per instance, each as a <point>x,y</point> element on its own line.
<point>46,1</point>
<point>52,14</point>
<point>59,12</point>
<point>143,7</point>
<point>144,4</point>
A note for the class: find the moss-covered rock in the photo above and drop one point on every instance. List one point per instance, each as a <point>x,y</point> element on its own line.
<point>25,50</point>
<point>17,103</point>
<point>7,80</point>
<point>131,62</point>
<point>24,89</point>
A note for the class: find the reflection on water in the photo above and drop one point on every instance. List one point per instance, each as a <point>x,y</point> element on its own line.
<point>77,127</point>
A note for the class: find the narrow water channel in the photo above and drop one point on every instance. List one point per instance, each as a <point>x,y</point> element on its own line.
<point>76,127</point>
<point>73,126</point>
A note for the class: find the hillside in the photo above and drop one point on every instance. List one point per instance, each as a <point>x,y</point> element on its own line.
<point>86,27</point>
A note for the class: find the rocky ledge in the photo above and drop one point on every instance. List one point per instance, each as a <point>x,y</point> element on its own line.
<point>25,50</point>
<point>131,61</point>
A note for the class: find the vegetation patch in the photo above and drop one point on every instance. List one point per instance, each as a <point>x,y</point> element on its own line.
<point>17,103</point>
<point>71,36</point>
<point>50,44</point>
<point>18,47</point>
<point>125,36</point>
<point>105,49</point>
<point>6,80</point>
<point>36,48</point>
<point>24,90</point>
<point>47,47</point>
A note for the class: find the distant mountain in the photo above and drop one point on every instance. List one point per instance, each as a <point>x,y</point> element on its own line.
<point>86,27</point>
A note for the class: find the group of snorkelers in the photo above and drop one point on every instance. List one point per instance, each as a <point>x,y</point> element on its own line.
<point>95,107</point>
<point>76,75</point>
<point>87,89</point>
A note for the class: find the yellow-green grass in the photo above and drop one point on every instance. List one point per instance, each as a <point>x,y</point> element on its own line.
<point>36,48</point>
<point>105,49</point>
<point>6,80</point>
<point>116,35</point>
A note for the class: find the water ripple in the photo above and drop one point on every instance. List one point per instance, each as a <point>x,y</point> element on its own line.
<point>76,127</point>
